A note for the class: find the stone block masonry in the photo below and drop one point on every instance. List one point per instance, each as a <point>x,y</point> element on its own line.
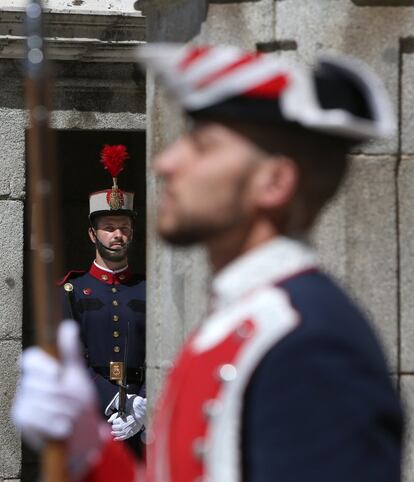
<point>11,280</point>
<point>365,236</point>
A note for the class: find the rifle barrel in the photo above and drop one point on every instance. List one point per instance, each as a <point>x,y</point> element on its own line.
<point>44,208</point>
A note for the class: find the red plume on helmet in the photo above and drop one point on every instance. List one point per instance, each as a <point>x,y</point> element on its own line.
<point>113,158</point>
<point>114,200</point>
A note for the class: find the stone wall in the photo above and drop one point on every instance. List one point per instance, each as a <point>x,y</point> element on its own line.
<point>11,278</point>
<point>97,88</point>
<point>365,236</point>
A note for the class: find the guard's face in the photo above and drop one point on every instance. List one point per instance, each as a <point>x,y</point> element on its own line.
<point>207,176</point>
<point>115,233</point>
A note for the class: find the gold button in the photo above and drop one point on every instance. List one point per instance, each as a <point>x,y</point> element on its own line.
<point>117,349</point>
<point>121,276</point>
<point>104,277</point>
<point>68,287</point>
<point>115,318</point>
<point>115,334</point>
<point>114,290</point>
<point>115,303</point>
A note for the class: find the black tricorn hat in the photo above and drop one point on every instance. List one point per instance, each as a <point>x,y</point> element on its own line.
<point>337,96</point>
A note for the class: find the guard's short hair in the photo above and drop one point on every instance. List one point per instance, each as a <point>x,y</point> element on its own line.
<point>322,162</point>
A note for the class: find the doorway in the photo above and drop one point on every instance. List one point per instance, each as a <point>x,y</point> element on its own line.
<point>80,172</point>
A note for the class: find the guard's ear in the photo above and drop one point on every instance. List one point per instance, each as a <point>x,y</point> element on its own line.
<point>92,234</point>
<point>275,182</point>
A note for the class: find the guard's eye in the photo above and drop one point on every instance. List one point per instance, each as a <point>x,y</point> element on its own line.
<point>124,229</point>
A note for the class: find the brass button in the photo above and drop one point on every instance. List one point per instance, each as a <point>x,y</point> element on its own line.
<point>122,276</point>
<point>104,277</point>
<point>115,334</point>
<point>68,287</point>
<point>114,290</point>
<point>117,349</point>
<point>115,318</point>
<point>115,303</point>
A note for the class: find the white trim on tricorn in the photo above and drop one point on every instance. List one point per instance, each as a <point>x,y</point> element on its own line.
<point>298,102</point>
<point>240,80</point>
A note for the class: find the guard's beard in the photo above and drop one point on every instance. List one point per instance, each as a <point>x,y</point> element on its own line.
<point>193,231</point>
<point>110,254</point>
<point>188,235</point>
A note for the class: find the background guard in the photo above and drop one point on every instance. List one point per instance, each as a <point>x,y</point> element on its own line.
<point>108,302</point>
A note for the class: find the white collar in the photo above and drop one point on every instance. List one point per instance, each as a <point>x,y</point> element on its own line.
<point>109,270</point>
<point>269,263</point>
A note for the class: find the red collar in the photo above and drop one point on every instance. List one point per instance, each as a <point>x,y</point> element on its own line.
<point>110,278</point>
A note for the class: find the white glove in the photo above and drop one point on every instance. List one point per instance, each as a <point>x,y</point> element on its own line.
<point>133,421</point>
<point>57,400</point>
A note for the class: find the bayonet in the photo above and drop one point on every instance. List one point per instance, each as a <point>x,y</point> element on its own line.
<point>118,372</point>
<point>123,385</point>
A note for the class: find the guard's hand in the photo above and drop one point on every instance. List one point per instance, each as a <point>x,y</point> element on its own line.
<point>133,421</point>
<point>139,409</point>
<point>56,399</point>
<point>123,427</point>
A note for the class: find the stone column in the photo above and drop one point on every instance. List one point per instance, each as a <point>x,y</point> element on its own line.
<point>12,185</point>
<point>178,280</point>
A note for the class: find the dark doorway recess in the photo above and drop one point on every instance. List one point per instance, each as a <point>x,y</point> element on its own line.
<point>81,173</point>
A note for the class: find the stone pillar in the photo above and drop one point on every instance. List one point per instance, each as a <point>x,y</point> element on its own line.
<point>12,141</point>
<point>176,280</point>
<point>180,279</point>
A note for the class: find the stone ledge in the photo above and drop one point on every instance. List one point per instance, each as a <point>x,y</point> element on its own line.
<point>80,49</point>
<point>101,6</point>
<point>66,119</point>
<point>88,24</point>
<point>87,36</point>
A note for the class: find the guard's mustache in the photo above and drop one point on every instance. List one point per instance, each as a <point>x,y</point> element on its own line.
<point>122,244</point>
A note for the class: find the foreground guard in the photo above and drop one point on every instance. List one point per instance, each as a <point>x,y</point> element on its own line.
<point>285,381</point>
<point>108,302</point>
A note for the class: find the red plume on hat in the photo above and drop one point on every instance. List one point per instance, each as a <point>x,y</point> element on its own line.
<point>113,158</point>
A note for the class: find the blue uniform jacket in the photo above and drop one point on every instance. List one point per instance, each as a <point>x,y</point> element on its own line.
<point>106,305</point>
<point>320,406</point>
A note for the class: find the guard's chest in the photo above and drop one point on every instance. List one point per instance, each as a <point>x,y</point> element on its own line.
<point>96,301</point>
<point>197,424</point>
<point>191,400</point>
